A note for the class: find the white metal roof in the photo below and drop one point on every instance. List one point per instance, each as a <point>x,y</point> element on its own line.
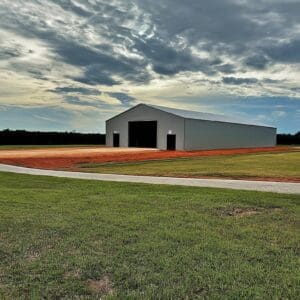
<point>188,114</point>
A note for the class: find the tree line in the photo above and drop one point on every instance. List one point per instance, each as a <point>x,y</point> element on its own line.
<point>23,137</point>
<point>288,139</point>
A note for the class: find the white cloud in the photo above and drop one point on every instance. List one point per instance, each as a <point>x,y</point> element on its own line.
<point>279,114</point>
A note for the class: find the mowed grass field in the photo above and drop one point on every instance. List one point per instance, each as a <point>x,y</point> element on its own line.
<point>75,239</point>
<point>285,165</point>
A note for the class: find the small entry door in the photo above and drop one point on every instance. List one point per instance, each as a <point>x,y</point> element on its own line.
<point>116,140</point>
<point>171,142</point>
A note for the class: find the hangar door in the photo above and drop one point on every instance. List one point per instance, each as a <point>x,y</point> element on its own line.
<point>142,134</point>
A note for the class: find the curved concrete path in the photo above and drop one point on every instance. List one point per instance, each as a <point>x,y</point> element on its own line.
<point>264,186</point>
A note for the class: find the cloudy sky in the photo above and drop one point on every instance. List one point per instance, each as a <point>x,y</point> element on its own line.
<point>71,64</point>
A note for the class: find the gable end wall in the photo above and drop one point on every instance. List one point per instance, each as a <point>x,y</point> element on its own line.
<point>165,122</point>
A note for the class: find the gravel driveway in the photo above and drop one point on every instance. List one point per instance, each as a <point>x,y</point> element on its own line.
<point>265,186</point>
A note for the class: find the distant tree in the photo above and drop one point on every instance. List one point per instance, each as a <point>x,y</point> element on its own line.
<point>288,139</point>
<point>23,137</point>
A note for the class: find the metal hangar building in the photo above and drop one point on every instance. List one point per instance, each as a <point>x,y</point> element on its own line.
<point>151,126</point>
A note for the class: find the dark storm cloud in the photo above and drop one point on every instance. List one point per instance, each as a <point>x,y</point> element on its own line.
<point>99,62</point>
<point>94,75</point>
<point>28,67</point>
<point>6,53</point>
<point>168,60</point>
<point>218,24</point>
<point>122,97</point>
<point>258,62</point>
<point>230,27</point>
<point>288,52</point>
<point>273,81</point>
<point>239,81</point>
<point>71,6</point>
<point>226,68</point>
<point>130,38</point>
<point>78,101</point>
<point>35,73</point>
<point>82,56</point>
<point>99,67</point>
<point>80,90</point>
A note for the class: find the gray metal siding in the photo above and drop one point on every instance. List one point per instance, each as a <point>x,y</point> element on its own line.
<point>165,122</point>
<point>201,134</point>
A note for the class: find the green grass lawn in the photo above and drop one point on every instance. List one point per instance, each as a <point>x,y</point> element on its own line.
<point>75,239</point>
<point>284,164</point>
<point>20,147</point>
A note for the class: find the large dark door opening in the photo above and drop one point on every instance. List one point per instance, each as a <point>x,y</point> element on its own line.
<point>142,134</point>
<point>171,142</point>
<point>116,141</point>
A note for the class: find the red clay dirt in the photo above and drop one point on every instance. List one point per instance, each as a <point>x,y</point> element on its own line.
<point>66,158</point>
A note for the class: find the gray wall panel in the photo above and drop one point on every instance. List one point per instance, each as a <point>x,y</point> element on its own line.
<point>201,134</point>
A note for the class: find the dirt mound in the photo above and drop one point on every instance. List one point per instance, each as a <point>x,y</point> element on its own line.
<point>240,212</point>
<point>102,286</point>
